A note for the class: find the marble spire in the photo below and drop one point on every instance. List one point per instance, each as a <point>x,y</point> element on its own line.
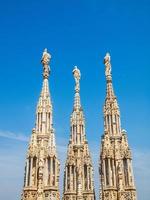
<point>78,175</point>
<point>42,165</point>
<point>116,174</point>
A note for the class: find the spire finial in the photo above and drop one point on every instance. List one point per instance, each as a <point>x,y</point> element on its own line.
<point>45,61</point>
<point>77,76</point>
<point>107,63</point>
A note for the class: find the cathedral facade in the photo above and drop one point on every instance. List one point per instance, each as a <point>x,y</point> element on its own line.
<point>42,168</point>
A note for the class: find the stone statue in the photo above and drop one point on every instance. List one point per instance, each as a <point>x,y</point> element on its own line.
<point>79,172</point>
<point>45,61</point>
<point>40,173</point>
<point>46,57</point>
<point>77,76</point>
<point>120,176</point>
<point>107,65</point>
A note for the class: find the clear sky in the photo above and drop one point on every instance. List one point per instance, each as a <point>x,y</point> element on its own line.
<point>77,32</point>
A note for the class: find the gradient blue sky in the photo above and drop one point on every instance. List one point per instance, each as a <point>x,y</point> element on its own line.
<point>77,32</point>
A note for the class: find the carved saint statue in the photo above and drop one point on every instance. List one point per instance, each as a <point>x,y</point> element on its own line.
<point>40,173</point>
<point>45,61</point>
<point>77,76</point>
<point>79,182</point>
<point>33,176</point>
<point>120,177</point>
<point>107,65</point>
<point>46,57</point>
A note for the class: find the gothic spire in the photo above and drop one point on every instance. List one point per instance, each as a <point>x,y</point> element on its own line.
<point>78,176</point>
<point>44,106</point>
<point>42,164</point>
<point>117,180</point>
<point>77,116</point>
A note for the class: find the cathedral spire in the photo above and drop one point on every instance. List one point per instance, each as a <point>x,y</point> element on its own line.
<point>44,106</point>
<point>42,165</point>
<point>78,176</point>
<point>77,116</point>
<point>117,180</point>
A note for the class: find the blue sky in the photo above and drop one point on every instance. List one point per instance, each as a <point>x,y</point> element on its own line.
<point>75,33</point>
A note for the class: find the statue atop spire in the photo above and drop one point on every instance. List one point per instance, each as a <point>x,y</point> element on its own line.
<point>77,76</point>
<point>117,181</point>
<point>42,165</point>
<point>45,61</point>
<point>78,173</point>
<point>107,65</point>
